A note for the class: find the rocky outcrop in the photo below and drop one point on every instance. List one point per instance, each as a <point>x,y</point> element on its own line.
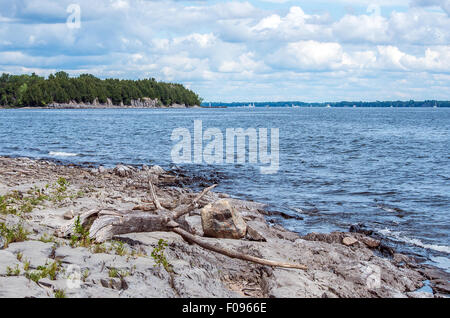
<point>145,102</point>
<point>137,103</point>
<point>134,103</point>
<point>333,269</point>
<point>222,220</point>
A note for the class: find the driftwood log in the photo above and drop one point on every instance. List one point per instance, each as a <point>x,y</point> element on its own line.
<point>105,224</point>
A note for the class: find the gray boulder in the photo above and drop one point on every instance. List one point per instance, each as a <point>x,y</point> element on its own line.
<point>102,170</point>
<point>221,220</point>
<point>156,170</point>
<point>123,171</point>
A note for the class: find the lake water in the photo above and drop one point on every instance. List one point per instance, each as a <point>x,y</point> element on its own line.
<point>387,168</point>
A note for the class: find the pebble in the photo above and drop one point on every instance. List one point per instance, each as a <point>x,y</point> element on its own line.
<point>349,241</point>
<point>68,215</point>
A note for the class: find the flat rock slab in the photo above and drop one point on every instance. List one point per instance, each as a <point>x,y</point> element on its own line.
<point>36,252</point>
<point>20,287</point>
<point>7,259</point>
<point>69,255</point>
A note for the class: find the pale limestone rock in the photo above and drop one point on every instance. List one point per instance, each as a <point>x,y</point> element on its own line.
<point>36,252</point>
<point>20,287</point>
<point>69,215</point>
<point>221,220</point>
<point>7,259</point>
<point>156,170</point>
<point>349,241</point>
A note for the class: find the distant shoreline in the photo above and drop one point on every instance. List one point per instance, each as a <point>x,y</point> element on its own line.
<point>341,104</point>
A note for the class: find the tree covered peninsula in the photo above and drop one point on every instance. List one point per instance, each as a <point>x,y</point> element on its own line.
<point>34,90</point>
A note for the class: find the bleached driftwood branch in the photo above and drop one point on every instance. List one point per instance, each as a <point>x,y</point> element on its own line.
<point>109,223</point>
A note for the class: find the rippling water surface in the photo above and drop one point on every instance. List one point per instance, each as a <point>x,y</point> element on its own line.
<point>387,168</point>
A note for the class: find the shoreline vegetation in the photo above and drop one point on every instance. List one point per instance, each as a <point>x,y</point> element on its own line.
<point>52,216</point>
<point>61,91</point>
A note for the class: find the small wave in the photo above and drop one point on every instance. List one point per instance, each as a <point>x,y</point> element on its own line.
<point>399,237</point>
<point>62,154</point>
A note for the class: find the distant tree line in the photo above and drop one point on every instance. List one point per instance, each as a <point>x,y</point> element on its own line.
<point>411,103</point>
<point>33,90</point>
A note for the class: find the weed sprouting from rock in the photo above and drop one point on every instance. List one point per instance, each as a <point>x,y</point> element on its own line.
<point>51,271</point>
<point>13,271</point>
<point>159,257</point>
<point>13,234</point>
<point>80,236</point>
<point>59,293</point>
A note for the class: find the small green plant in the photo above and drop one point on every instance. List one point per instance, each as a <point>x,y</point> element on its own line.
<point>13,234</point>
<point>5,205</point>
<point>85,275</point>
<point>139,253</point>
<point>78,195</point>
<point>19,256</point>
<point>19,203</point>
<point>99,248</point>
<point>119,248</point>
<point>81,235</point>
<point>113,272</point>
<point>13,271</point>
<point>60,189</point>
<point>34,276</point>
<point>159,257</point>
<point>26,207</point>
<point>51,271</point>
<point>59,293</point>
<point>62,183</point>
<point>26,265</point>
<point>47,238</point>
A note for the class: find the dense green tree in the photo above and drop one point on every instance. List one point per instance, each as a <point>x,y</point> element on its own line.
<point>33,90</point>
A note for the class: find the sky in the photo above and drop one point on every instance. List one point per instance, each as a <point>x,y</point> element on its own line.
<point>255,50</point>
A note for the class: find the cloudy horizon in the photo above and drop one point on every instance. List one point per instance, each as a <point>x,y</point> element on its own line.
<point>272,50</point>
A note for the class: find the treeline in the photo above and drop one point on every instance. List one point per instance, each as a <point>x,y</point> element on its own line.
<point>410,103</point>
<point>33,90</point>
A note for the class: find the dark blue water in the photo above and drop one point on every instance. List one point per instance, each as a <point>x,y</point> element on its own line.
<point>387,168</point>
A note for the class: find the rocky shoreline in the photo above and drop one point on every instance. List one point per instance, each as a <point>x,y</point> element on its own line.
<point>38,198</point>
<point>135,103</point>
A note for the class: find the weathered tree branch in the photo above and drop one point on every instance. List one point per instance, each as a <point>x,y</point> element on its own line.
<point>154,197</point>
<point>185,209</point>
<point>108,224</point>
<point>195,239</point>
